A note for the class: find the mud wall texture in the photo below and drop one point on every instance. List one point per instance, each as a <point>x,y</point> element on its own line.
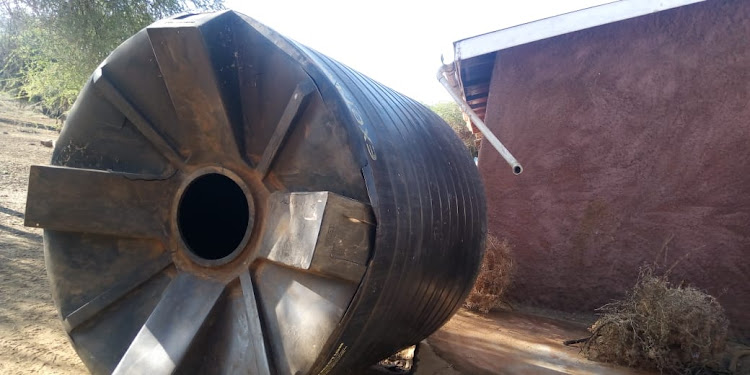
<point>632,135</point>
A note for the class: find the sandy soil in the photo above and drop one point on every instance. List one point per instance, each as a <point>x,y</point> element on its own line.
<point>32,340</point>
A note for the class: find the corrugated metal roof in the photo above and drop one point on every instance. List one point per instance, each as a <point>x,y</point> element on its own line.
<point>475,56</point>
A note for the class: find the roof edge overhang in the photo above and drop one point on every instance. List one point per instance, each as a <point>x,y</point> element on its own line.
<point>559,25</point>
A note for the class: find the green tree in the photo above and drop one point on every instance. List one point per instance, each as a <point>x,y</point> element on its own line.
<point>49,48</point>
<point>451,113</point>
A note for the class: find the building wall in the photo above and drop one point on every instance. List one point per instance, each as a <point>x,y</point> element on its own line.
<point>632,135</point>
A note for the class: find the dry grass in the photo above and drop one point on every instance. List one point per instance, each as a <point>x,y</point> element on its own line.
<point>673,329</point>
<point>494,277</point>
<point>401,363</point>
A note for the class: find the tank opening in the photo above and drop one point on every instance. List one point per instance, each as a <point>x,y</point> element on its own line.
<point>213,216</point>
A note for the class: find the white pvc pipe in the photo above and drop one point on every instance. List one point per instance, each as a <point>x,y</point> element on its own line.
<point>456,95</point>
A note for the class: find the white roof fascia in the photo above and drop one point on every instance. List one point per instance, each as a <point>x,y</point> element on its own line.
<point>562,24</point>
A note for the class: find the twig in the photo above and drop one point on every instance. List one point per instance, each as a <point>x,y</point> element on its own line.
<point>663,250</point>
<point>576,341</point>
<point>594,334</point>
<point>683,257</point>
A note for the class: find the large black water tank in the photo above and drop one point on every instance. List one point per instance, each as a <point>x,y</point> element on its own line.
<point>224,200</point>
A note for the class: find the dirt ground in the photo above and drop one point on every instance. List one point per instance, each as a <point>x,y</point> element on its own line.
<point>32,340</point>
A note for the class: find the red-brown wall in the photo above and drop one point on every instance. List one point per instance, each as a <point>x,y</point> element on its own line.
<point>630,134</point>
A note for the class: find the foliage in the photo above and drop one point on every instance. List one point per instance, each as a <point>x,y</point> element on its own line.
<point>657,325</point>
<point>451,114</point>
<point>494,277</point>
<point>49,48</point>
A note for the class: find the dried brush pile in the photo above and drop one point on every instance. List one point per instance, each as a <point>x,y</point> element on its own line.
<point>678,330</point>
<point>494,277</point>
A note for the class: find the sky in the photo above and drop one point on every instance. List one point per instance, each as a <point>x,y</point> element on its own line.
<point>398,43</point>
